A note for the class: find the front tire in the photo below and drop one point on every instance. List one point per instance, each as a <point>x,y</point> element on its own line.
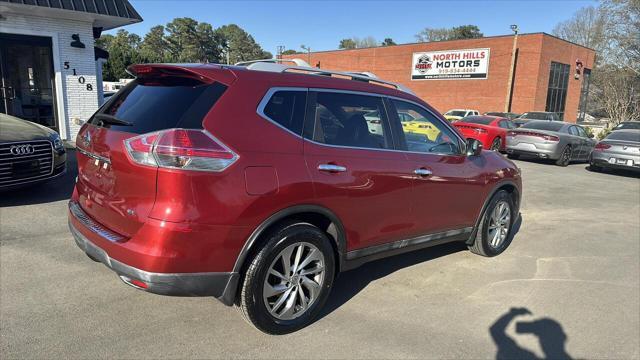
<point>289,279</point>
<point>495,231</point>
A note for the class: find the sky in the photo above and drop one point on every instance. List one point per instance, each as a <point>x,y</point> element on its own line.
<point>322,24</point>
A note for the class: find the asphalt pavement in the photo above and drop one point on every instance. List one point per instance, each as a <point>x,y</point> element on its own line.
<point>568,286</point>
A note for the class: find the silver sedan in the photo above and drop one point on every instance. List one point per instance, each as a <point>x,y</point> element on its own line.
<point>560,141</point>
<point>620,149</point>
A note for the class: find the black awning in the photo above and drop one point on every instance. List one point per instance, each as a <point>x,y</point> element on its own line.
<point>117,8</point>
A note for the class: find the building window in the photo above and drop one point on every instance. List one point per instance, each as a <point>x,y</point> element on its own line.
<point>557,91</point>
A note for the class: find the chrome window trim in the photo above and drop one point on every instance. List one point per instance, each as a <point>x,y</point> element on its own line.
<point>272,90</point>
<point>267,97</point>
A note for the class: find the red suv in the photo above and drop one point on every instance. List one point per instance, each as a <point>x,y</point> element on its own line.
<point>258,184</point>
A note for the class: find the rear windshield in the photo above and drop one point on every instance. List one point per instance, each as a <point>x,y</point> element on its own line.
<point>478,120</point>
<point>158,104</point>
<point>625,136</point>
<point>628,125</point>
<point>543,125</point>
<point>457,113</point>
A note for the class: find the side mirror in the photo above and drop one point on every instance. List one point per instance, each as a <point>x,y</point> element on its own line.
<point>474,147</point>
<point>590,135</point>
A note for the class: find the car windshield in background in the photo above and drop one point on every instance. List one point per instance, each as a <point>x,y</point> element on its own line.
<point>535,116</point>
<point>478,120</point>
<point>456,113</point>
<point>543,125</point>
<point>628,125</point>
<point>624,136</point>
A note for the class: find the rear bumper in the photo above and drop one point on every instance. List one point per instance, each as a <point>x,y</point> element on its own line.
<point>547,151</point>
<point>221,285</point>
<point>601,158</point>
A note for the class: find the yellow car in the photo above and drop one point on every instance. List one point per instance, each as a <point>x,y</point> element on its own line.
<point>421,127</point>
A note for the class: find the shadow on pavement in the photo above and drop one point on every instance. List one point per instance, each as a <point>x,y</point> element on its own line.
<point>618,172</point>
<point>350,283</point>
<point>550,334</point>
<point>50,191</point>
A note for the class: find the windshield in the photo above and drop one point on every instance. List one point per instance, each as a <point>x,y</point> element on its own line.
<point>624,136</point>
<point>543,125</point>
<point>456,113</point>
<point>535,115</point>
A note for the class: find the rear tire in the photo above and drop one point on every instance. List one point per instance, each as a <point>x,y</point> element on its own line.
<point>565,157</point>
<point>593,167</point>
<point>297,295</point>
<point>496,145</point>
<point>498,218</point>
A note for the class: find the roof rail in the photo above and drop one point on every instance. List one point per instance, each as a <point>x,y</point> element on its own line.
<point>276,65</point>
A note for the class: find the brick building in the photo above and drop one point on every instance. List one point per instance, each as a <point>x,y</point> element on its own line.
<point>50,72</point>
<point>550,74</point>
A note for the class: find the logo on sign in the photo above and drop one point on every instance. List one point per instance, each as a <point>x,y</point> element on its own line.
<point>424,64</point>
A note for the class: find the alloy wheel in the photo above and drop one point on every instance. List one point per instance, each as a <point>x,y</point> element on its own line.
<point>499,224</point>
<point>496,145</point>
<point>566,156</point>
<point>294,281</point>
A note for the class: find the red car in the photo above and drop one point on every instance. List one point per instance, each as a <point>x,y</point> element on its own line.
<point>258,184</point>
<point>491,131</point>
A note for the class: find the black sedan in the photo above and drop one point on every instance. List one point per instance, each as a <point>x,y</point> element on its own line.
<point>29,153</point>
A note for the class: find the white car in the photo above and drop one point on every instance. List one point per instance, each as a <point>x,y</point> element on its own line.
<point>457,114</point>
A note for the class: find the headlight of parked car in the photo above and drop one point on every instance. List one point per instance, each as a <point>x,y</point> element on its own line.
<point>57,142</point>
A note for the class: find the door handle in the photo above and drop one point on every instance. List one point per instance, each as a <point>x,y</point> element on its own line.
<point>422,172</point>
<point>331,168</point>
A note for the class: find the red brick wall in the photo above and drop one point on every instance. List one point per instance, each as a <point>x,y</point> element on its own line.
<point>535,53</point>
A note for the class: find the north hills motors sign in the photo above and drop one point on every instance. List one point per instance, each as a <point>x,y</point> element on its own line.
<point>450,64</point>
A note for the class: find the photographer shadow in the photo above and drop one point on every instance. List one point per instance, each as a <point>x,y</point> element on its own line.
<point>549,332</point>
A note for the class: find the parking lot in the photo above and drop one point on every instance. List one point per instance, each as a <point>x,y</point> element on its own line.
<point>572,274</point>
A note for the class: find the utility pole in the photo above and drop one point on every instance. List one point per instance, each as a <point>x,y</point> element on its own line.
<point>279,50</point>
<point>308,48</point>
<point>507,103</point>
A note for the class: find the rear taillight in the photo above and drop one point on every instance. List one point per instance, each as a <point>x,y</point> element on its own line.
<point>535,134</point>
<point>602,146</point>
<point>180,149</point>
<point>511,133</point>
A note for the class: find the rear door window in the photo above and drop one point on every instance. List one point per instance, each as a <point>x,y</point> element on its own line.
<point>351,120</point>
<point>156,104</point>
<point>287,108</point>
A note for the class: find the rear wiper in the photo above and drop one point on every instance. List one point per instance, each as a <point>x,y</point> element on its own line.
<point>111,120</point>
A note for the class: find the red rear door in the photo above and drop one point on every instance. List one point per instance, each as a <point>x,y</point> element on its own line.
<point>112,189</point>
<point>354,173</point>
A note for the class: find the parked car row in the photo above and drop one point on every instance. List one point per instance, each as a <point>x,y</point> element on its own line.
<point>454,115</point>
<point>555,140</point>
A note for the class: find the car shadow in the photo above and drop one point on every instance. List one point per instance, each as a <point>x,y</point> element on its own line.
<point>54,190</point>
<point>349,283</point>
<point>549,332</point>
<point>617,172</point>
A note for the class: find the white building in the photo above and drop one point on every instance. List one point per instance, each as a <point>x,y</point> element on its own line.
<point>50,72</point>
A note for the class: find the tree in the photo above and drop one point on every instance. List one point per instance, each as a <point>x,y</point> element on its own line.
<point>289,52</point>
<point>454,33</point>
<point>612,29</point>
<point>358,43</point>
<point>123,51</point>
<point>388,42</point>
<point>154,46</point>
<point>586,27</point>
<point>347,44</point>
<point>239,45</point>
<point>466,32</point>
